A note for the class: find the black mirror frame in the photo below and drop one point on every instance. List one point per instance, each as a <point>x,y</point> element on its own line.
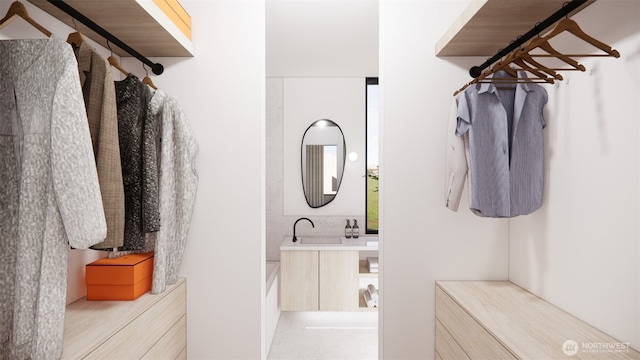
<point>344,158</point>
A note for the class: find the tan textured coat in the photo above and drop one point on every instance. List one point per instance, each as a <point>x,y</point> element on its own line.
<point>100,100</point>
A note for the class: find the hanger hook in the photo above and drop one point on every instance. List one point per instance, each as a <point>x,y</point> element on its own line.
<point>75,26</point>
<point>566,16</point>
<point>520,42</point>
<point>109,46</point>
<point>536,27</point>
<point>145,70</point>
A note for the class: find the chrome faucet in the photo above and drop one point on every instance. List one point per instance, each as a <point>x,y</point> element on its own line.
<point>294,227</point>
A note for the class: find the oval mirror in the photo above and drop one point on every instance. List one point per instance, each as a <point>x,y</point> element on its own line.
<point>323,156</point>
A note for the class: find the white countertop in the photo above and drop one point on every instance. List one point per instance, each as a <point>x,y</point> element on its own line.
<point>359,244</point>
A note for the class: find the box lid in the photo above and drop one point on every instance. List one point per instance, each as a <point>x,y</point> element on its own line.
<point>127,260</point>
<point>125,270</point>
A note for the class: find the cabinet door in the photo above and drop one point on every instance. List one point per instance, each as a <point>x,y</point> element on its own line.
<point>299,280</point>
<point>339,280</point>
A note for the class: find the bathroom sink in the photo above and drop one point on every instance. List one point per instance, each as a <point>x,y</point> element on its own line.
<point>319,240</point>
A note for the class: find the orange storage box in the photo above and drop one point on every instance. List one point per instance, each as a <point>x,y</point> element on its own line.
<point>124,278</point>
<point>177,14</point>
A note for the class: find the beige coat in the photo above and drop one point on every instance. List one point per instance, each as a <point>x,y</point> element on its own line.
<point>100,100</point>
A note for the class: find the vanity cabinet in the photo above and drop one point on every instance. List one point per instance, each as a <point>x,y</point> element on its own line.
<point>325,280</point>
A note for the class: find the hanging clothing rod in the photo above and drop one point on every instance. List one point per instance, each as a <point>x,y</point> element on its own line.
<point>155,67</point>
<point>566,9</point>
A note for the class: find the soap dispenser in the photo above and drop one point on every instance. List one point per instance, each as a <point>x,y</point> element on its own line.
<point>347,230</point>
<point>355,231</point>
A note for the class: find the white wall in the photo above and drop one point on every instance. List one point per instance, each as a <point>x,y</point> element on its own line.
<point>341,100</point>
<point>285,199</point>
<point>580,250</point>
<point>222,92</point>
<point>422,241</point>
<point>322,38</point>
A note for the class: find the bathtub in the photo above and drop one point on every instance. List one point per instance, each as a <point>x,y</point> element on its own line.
<point>272,303</point>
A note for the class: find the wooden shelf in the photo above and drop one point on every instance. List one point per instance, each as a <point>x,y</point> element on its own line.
<point>141,24</point>
<point>364,270</point>
<point>486,26</point>
<point>365,274</point>
<point>363,305</point>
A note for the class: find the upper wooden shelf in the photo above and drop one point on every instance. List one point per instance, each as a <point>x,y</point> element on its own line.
<point>486,26</point>
<point>154,28</point>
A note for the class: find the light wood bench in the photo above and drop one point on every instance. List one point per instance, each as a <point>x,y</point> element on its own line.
<point>150,327</point>
<point>500,320</point>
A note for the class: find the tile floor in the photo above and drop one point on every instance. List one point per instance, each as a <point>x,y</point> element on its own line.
<point>326,336</point>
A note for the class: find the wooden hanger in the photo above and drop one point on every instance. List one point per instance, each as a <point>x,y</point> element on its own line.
<point>526,63</point>
<point>514,79</point>
<point>515,57</point>
<point>537,71</point>
<point>17,9</point>
<point>506,66</point>
<point>502,79</point>
<point>114,62</point>
<point>147,80</point>
<point>510,80</point>
<point>543,44</point>
<point>524,59</point>
<point>464,87</point>
<point>573,28</point>
<point>527,59</point>
<point>75,39</point>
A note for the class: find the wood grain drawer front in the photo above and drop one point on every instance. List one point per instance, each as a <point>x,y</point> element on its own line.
<point>171,345</point>
<point>474,340</point>
<point>299,280</point>
<point>338,280</point>
<point>525,324</point>
<point>446,345</point>
<point>182,355</point>
<point>134,340</point>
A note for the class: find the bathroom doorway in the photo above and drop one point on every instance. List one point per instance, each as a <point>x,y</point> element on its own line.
<point>328,44</point>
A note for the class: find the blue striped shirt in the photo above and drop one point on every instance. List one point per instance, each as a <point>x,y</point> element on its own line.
<point>505,147</point>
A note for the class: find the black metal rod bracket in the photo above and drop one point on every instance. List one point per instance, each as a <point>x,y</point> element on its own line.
<point>566,9</point>
<point>155,67</point>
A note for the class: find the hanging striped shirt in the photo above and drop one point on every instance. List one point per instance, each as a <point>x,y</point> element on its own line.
<point>506,151</point>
